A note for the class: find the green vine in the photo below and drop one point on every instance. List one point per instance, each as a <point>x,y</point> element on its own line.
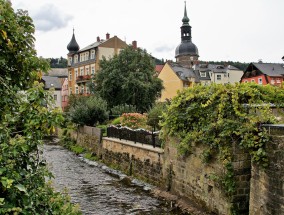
<point>219,116</point>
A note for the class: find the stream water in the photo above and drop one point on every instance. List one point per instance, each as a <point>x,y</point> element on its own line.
<point>98,189</point>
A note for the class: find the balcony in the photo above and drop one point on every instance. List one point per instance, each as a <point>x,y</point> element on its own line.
<point>83,78</point>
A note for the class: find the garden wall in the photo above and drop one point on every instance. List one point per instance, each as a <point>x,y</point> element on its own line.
<point>258,194</point>
<point>267,185</point>
<point>193,179</point>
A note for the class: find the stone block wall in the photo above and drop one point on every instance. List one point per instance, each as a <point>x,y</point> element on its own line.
<point>193,179</point>
<point>141,161</point>
<point>267,185</point>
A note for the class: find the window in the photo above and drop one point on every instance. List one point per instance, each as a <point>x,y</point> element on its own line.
<point>82,71</point>
<point>82,57</point>
<point>77,90</point>
<point>225,75</point>
<point>218,77</point>
<point>87,56</point>
<point>260,81</point>
<point>76,73</point>
<point>93,70</point>
<point>69,61</point>
<point>70,90</point>
<point>70,75</point>
<point>76,58</point>
<point>82,89</point>
<point>252,80</point>
<point>246,81</point>
<point>87,90</point>
<point>55,97</point>
<point>87,70</point>
<point>202,74</point>
<point>93,54</point>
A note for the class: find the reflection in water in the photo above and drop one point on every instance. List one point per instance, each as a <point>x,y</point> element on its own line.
<point>97,192</point>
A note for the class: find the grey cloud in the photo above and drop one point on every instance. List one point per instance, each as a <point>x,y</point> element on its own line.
<point>164,48</point>
<point>49,17</point>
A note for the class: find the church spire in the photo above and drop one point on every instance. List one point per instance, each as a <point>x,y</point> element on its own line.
<point>185,19</point>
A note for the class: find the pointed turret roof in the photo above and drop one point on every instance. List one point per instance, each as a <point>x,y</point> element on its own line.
<point>73,45</point>
<point>185,19</point>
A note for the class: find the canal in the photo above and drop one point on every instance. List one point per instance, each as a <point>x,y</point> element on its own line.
<point>99,190</point>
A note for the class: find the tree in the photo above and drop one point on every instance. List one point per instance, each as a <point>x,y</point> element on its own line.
<point>128,78</point>
<point>87,110</point>
<point>24,120</point>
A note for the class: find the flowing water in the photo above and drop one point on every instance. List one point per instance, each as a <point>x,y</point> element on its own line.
<point>98,189</point>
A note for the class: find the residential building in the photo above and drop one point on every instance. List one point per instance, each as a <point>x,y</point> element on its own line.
<point>55,84</point>
<point>175,78</point>
<point>64,94</point>
<point>84,63</point>
<point>264,73</point>
<point>219,74</point>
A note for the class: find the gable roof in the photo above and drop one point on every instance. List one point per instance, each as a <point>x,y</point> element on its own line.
<point>93,45</point>
<point>270,69</point>
<point>51,82</point>
<point>184,73</point>
<point>58,72</point>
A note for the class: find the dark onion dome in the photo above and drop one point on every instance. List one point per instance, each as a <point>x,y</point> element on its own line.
<point>73,45</point>
<point>186,48</point>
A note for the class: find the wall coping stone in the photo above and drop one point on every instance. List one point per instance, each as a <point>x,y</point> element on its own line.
<point>276,129</point>
<point>137,145</point>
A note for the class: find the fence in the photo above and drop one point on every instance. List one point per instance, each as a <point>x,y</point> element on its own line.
<point>137,135</point>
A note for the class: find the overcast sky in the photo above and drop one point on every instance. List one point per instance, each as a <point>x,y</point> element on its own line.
<point>237,30</point>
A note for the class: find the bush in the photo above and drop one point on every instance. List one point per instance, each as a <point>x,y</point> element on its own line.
<point>121,109</point>
<point>87,110</point>
<point>155,114</point>
<point>134,120</point>
<point>116,121</point>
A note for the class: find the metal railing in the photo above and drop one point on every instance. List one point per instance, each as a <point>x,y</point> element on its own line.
<point>135,135</point>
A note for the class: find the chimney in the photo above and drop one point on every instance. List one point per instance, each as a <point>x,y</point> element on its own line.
<point>98,39</point>
<point>107,36</point>
<point>134,44</point>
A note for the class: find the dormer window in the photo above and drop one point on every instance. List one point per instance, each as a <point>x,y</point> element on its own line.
<point>93,54</point>
<point>203,74</point>
<point>76,58</point>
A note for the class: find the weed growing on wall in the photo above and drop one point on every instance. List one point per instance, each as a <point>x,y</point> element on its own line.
<point>219,116</point>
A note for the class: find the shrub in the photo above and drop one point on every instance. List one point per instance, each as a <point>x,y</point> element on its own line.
<point>88,110</point>
<point>116,121</point>
<point>133,120</point>
<point>121,109</point>
<point>155,114</point>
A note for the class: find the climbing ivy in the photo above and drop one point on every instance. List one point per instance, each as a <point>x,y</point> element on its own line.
<point>220,116</point>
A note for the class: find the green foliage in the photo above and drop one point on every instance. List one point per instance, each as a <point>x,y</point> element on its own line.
<point>103,129</point>
<point>133,120</point>
<point>116,121</point>
<point>128,78</point>
<point>26,117</point>
<point>90,156</point>
<point>219,116</point>
<point>87,110</point>
<point>77,149</point>
<point>121,109</point>
<point>155,114</point>
<point>58,62</point>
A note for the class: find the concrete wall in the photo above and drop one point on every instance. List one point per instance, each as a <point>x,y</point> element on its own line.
<point>267,185</point>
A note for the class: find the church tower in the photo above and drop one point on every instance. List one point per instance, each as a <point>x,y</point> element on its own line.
<point>186,52</point>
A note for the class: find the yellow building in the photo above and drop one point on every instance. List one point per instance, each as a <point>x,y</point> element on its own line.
<point>84,63</point>
<point>175,78</point>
